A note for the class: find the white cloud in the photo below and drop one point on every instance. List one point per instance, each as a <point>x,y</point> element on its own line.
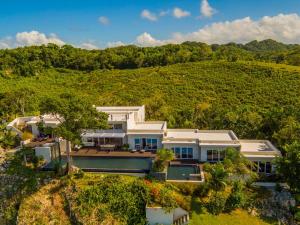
<point>146,14</point>
<point>206,10</point>
<point>283,27</point>
<point>88,46</point>
<point>36,38</point>
<point>103,20</point>
<point>115,44</point>
<point>6,43</point>
<point>146,39</point>
<point>179,13</point>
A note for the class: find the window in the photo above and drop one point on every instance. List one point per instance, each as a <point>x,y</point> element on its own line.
<point>145,143</point>
<point>118,126</point>
<point>190,153</point>
<point>177,153</point>
<point>148,144</point>
<point>221,155</point>
<point>184,153</point>
<point>209,155</point>
<point>137,143</point>
<point>215,155</point>
<point>154,144</point>
<point>89,139</point>
<point>261,167</point>
<point>268,167</point>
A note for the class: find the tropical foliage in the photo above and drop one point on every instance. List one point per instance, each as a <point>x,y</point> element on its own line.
<point>289,166</point>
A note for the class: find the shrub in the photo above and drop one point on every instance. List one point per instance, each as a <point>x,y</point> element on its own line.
<point>125,147</point>
<point>183,202</point>
<point>27,136</point>
<point>202,190</point>
<point>158,166</point>
<point>79,174</point>
<point>216,205</point>
<point>297,216</point>
<point>186,188</point>
<point>236,198</point>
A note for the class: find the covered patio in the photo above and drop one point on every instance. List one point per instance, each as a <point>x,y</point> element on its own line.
<point>104,140</point>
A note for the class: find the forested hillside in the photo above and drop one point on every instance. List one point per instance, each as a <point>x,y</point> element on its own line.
<point>30,61</point>
<point>256,100</point>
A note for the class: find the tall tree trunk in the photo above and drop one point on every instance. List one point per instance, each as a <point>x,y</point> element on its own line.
<point>68,146</point>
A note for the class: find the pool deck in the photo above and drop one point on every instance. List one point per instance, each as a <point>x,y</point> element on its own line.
<point>113,153</point>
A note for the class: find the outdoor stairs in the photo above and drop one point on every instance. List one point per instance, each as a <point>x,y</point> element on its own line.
<point>182,220</point>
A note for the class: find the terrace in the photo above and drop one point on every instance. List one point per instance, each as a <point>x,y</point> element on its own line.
<point>95,152</point>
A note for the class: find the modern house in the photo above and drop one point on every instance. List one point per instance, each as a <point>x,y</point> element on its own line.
<point>129,127</point>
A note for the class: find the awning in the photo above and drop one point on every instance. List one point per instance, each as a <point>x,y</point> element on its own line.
<point>103,135</point>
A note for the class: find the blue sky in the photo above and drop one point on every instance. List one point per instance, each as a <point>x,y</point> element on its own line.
<point>146,22</point>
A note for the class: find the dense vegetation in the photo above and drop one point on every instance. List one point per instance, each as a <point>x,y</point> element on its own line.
<point>34,60</point>
<point>256,100</point>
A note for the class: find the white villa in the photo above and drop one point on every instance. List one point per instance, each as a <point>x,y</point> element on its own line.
<point>128,127</point>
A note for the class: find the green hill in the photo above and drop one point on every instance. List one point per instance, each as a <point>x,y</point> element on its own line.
<point>256,100</point>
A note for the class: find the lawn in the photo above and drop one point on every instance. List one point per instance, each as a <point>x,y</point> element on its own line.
<point>237,217</point>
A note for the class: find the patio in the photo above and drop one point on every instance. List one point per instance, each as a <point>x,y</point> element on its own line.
<point>93,151</point>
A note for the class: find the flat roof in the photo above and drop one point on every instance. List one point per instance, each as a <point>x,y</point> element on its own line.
<point>202,135</point>
<point>258,148</point>
<point>149,125</point>
<point>119,109</point>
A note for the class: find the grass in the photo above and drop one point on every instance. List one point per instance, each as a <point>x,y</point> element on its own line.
<point>44,207</point>
<point>237,217</point>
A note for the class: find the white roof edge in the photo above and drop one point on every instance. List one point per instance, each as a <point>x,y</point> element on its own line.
<point>267,142</point>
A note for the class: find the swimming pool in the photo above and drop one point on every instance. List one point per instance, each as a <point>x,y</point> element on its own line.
<point>106,164</point>
<point>181,172</point>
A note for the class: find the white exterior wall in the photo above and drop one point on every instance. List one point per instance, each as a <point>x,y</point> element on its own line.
<point>195,147</point>
<point>131,138</point>
<point>45,152</point>
<point>35,130</point>
<point>157,215</point>
<point>130,122</point>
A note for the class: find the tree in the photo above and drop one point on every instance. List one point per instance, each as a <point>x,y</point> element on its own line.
<point>75,115</point>
<point>17,102</point>
<point>289,165</point>
<point>163,157</point>
<point>237,165</point>
<point>218,175</point>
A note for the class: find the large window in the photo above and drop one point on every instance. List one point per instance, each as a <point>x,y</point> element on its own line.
<point>190,153</point>
<point>145,143</point>
<point>177,153</point>
<point>183,152</point>
<point>215,155</point>
<point>137,143</point>
<point>262,167</point>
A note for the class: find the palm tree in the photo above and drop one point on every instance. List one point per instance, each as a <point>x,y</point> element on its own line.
<point>218,176</point>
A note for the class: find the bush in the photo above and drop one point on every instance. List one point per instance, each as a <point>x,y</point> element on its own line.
<point>79,174</point>
<point>297,216</point>
<point>216,205</point>
<point>202,190</point>
<point>27,136</point>
<point>158,166</point>
<point>236,198</point>
<point>186,188</point>
<point>125,147</point>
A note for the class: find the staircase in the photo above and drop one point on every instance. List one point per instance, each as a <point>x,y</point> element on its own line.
<point>182,220</point>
